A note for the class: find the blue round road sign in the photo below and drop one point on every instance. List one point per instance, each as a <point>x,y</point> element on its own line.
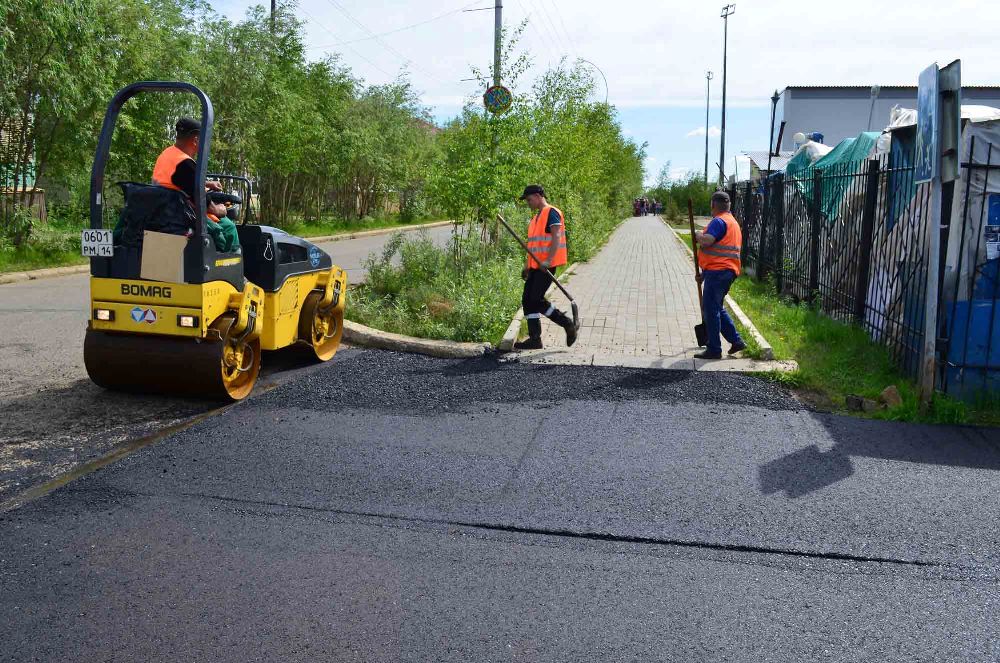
<point>498,99</point>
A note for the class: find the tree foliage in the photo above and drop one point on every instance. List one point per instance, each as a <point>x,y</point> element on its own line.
<point>675,193</point>
<point>317,139</point>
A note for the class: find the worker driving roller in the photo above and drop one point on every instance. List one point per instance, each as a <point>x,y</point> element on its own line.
<point>175,169</point>
<point>547,250</point>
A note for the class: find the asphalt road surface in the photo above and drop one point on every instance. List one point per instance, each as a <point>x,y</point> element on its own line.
<point>386,507</point>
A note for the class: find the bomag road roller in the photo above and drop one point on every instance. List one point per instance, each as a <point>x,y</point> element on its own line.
<point>200,332</point>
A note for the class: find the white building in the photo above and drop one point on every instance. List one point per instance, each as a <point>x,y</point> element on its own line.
<point>840,112</point>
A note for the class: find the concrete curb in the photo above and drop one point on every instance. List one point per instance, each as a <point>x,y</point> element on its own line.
<point>357,334</point>
<point>378,231</point>
<point>31,275</point>
<point>17,277</point>
<point>510,336</point>
<point>767,352</point>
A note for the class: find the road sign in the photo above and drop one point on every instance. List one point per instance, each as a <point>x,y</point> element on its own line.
<point>498,99</point>
<point>926,156</point>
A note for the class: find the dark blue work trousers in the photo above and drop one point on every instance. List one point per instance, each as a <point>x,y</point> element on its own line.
<point>716,284</point>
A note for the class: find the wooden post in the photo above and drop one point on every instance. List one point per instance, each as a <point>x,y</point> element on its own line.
<point>815,228</point>
<point>866,240</point>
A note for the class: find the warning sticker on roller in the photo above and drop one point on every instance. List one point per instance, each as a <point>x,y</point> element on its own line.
<point>146,315</point>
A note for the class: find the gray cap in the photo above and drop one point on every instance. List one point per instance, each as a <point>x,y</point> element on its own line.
<point>720,198</point>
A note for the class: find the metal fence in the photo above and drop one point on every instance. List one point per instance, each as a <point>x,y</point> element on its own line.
<point>970,328</point>
<point>851,240</point>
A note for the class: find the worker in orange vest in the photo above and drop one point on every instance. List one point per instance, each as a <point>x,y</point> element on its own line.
<point>175,169</point>
<point>719,249</point>
<point>546,251</point>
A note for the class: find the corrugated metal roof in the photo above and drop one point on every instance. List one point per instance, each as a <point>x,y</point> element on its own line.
<point>759,157</point>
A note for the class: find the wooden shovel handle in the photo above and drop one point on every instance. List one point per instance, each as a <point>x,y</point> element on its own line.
<point>694,247</point>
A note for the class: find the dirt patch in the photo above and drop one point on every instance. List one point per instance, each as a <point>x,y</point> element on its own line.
<point>45,434</point>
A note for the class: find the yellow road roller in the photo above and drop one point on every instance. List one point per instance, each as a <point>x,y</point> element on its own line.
<point>169,312</point>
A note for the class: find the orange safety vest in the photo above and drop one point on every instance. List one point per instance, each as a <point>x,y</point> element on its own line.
<point>725,253</point>
<point>166,164</point>
<point>540,240</point>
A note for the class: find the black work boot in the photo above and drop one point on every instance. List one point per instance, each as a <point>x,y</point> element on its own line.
<point>738,346</point>
<point>563,321</point>
<point>534,340</point>
<point>530,343</point>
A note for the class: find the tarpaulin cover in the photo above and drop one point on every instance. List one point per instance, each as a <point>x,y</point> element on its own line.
<point>844,159</point>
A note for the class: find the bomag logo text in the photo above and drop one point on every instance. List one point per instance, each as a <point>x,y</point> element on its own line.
<point>137,290</point>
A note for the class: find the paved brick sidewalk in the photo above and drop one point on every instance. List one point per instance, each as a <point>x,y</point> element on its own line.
<point>638,305</point>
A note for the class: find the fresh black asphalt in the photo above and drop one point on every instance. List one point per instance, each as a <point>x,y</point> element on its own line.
<point>392,507</point>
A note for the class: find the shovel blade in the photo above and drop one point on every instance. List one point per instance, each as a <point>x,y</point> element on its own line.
<point>701,334</point>
<point>576,315</point>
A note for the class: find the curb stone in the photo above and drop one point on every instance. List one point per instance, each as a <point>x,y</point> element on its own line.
<point>767,352</point>
<point>358,334</point>
<point>378,231</point>
<point>510,336</point>
<point>47,272</point>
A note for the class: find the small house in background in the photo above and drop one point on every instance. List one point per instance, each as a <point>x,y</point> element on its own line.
<point>761,167</point>
<point>17,173</point>
<point>843,111</point>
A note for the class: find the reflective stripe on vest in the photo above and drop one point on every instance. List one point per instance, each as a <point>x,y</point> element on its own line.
<point>725,253</point>
<point>166,165</point>
<point>540,241</point>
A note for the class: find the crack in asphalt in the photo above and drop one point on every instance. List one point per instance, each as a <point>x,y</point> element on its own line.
<point>587,536</point>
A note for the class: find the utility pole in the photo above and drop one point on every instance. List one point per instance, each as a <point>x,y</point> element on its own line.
<point>708,91</point>
<point>497,28</point>
<point>274,8</point>
<point>727,11</point>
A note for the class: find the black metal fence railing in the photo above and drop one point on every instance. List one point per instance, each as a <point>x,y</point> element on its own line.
<point>851,240</point>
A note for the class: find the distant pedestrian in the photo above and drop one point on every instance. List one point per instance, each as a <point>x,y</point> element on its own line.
<point>719,249</point>
<point>547,250</point>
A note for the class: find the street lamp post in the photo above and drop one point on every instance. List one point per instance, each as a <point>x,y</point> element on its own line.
<point>727,11</point>
<point>602,76</point>
<point>708,90</point>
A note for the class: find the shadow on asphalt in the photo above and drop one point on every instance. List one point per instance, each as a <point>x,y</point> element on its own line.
<point>810,469</point>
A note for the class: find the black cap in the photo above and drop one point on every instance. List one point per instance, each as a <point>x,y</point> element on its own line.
<point>720,197</point>
<point>532,188</point>
<point>187,126</point>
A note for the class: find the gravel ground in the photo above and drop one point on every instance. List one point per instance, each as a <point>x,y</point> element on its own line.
<point>55,430</point>
<point>422,385</point>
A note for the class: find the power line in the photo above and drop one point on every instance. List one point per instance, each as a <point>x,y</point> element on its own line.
<point>565,32</point>
<point>538,32</point>
<point>316,22</point>
<point>387,46</point>
<point>405,27</point>
<point>555,33</point>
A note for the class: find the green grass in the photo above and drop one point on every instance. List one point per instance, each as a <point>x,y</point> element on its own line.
<point>836,359</point>
<point>54,244</point>
<point>57,243</point>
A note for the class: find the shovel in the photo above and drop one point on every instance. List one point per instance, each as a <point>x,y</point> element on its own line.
<point>700,333</point>
<point>572,302</point>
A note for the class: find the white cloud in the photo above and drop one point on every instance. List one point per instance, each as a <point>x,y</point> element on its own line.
<point>713,132</point>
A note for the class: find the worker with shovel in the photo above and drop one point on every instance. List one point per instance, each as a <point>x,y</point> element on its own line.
<point>546,250</point>
<point>718,253</point>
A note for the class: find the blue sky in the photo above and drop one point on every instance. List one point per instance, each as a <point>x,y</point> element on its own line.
<point>655,53</point>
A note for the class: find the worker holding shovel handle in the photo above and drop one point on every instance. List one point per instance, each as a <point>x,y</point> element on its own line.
<point>718,253</point>
<point>546,249</point>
